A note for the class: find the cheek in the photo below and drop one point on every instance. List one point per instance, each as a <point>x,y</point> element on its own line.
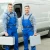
<point>25,11</point>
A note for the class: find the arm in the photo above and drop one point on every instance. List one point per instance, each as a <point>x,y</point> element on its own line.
<point>5,22</point>
<point>34,23</point>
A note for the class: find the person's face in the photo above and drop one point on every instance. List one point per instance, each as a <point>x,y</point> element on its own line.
<point>10,8</point>
<point>27,9</point>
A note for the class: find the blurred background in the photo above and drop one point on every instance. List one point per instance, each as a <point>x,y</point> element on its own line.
<point>40,9</point>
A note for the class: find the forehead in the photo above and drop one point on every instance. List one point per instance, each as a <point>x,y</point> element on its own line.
<point>9,5</point>
<point>26,7</point>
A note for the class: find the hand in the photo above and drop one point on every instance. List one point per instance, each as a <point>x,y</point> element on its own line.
<point>35,34</point>
<point>6,34</point>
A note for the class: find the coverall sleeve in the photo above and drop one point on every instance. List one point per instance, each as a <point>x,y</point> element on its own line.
<point>16,20</point>
<point>5,22</point>
<point>34,23</point>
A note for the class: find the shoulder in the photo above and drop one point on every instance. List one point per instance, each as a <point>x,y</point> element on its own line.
<point>14,12</point>
<point>5,14</point>
<point>23,15</point>
<point>32,16</point>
